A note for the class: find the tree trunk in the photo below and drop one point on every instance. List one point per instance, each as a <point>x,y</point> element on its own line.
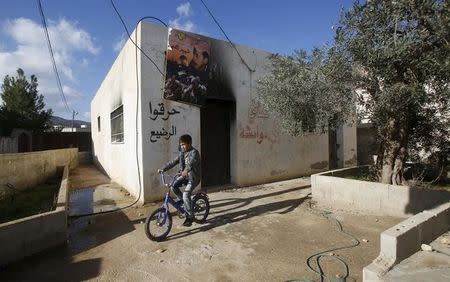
<point>394,154</point>
<point>397,173</point>
<point>387,165</point>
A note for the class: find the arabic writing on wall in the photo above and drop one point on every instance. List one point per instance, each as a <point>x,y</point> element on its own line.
<point>155,135</point>
<point>257,124</point>
<point>252,132</point>
<point>161,111</point>
<point>256,110</point>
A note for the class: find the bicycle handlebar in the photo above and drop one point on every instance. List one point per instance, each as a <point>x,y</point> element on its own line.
<point>163,180</point>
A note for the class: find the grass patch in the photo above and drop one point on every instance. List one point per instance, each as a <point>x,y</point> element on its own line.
<point>366,175</point>
<point>442,185</point>
<point>39,199</point>
<point>363,175</point>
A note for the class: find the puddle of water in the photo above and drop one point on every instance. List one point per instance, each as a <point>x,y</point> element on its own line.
<point>104,197</point>
<point>98,199</point>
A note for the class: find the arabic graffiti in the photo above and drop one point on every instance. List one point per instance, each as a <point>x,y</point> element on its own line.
<point>256,110</point>
<point>248,132</point>
<point>155,135</point>
<point>164,113</point>
<point>161,112</point>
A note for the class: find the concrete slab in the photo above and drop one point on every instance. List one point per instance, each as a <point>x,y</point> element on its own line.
<point>260,233</point>
<point>424,265</point>
<point>404,239</point>
<point>103,195</point>
<point>87,175</point>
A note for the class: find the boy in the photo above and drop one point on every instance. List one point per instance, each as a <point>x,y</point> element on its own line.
<point>189,174</point>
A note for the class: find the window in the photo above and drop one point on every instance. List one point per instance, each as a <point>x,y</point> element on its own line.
<point>117,125</point>
<point>99,128</point>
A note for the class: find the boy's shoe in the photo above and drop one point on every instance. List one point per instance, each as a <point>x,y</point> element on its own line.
<point>188,222</point>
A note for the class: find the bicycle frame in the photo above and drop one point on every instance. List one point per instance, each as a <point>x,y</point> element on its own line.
<point>168,199</point>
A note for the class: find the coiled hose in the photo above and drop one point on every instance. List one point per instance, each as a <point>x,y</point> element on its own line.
<point>329,252</point>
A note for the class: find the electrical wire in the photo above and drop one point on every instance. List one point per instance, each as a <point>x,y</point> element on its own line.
<point>136,120</point>
<point>136,149</point>
<point>55,69</point>
<point>232,44</point>
<point>129,36</point>
<point>150,17</point>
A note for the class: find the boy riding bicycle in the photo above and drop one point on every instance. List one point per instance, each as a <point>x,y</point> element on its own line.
<point>189,174</point>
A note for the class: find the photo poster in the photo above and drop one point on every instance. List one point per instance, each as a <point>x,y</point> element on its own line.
<point>188,58</point>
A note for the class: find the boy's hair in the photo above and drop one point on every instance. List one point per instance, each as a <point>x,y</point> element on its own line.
<point>186,138</point>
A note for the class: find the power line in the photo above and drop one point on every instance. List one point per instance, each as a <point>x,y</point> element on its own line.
<point>55,69</point>
<point>232,44</point>
<point>136,120</point>
<point>149,17</point>
<point>129,36</point>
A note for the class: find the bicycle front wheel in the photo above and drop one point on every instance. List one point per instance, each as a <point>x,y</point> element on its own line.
<point>158,225</point>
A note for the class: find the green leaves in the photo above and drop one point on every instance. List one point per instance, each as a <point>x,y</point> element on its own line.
<point>390,57</point>
<point>308,92</point>
<point>23,107</point>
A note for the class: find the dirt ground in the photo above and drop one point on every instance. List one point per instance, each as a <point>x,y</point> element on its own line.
<point>261,233</point>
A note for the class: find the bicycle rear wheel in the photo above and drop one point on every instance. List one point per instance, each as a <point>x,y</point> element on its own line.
<point>200,204</point>
<point>158,225</point>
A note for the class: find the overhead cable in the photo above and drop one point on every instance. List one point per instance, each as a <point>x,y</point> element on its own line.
<point>232,44</point>
<point>55,69</point>
<point>129,36</point>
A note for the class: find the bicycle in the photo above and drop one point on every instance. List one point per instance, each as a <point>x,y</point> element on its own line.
<point>162,219</point>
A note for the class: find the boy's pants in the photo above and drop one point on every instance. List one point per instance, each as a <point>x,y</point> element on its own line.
<point>186,196</point>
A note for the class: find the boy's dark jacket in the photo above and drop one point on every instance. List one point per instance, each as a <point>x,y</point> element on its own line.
<point>189,162</point>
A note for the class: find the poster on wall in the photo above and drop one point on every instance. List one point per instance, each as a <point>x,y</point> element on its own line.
<point>187,68</point>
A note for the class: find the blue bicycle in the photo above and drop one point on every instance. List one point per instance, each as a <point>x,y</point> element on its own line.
<point>159,223</point>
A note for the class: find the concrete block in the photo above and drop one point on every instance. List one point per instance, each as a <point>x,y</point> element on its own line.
<point>405,238</point>
<point>27,236</point>
<point>372,197</point>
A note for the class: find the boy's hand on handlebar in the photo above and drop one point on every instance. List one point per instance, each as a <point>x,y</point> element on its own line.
<point>184,173</point>
<point>160,171</point>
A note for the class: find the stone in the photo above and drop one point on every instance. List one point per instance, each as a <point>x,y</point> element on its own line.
<point>445,240</point>
<point>365,240</point>
<point>426,248</point>
<point>141,214</point>
<point>161,250</point>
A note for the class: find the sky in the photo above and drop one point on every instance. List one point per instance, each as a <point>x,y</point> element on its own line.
<point>87,35</point>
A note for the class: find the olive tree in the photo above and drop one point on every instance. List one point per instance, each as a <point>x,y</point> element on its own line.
<point>391,57</point>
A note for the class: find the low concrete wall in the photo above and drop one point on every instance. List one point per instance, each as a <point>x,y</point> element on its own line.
<point>85,157</point>
<point>27,236</point>
<point>404,239</point>
<point>24,170</point>
<point>8,145</point>
<point>329,188</point>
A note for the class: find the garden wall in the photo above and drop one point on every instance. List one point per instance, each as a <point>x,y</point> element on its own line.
<point>27,236</point>
<point>24,170</point>
<point>329,188</point>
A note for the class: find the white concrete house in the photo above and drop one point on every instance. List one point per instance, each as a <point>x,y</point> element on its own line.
<point>135,130</point>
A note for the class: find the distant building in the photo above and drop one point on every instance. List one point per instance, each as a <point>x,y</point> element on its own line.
<point>138,118</point>
<point>82,128</point>
<point>19,141</point>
